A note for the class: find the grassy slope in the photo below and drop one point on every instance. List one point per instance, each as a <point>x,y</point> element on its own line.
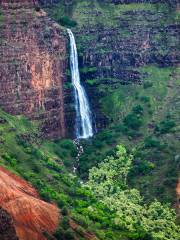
<point>42,163</point>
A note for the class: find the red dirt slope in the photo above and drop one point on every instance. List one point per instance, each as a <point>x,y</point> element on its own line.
<point>31,215</point>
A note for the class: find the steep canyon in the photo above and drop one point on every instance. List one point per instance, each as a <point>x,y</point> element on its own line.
<point>128,53</point>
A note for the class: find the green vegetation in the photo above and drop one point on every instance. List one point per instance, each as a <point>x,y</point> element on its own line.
<point>145,118</point>
<point>66,21</point>
<point>108,182</point>
<point>105,205</point>
<point>1,17</point>
<point>85,12</point>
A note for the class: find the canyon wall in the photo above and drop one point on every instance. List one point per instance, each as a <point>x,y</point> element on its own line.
<point>33,66</point>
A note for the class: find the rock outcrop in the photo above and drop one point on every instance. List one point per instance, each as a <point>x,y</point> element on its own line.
<point>7,230</point>
<point>32,65</point>
<point>31,216</point>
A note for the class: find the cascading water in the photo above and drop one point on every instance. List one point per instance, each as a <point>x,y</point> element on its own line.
<point>83,126</point>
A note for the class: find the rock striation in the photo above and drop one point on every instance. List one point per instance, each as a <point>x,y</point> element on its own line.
<point>31,216</point>
<point>32,65</point>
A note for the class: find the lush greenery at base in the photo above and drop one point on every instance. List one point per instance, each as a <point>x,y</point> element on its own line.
<point>104,205</point>
<point>145,117</point>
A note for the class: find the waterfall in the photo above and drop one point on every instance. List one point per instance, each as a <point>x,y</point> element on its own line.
<point>83,125</point>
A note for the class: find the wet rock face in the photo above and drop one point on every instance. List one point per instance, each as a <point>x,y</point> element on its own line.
<point>33,66</point>
<point>7,230</point>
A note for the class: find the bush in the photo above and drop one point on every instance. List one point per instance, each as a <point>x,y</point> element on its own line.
<point>10,159</point>
<point>81,220</point>
<point>151,142</point>
<point>104,135</point>
<point>80,230</point>
<point>147,85</point>
<point>138,109</point>
<point>69,234</point>
<point>67,22</point>
<point>64,211</point>
<point>133,121</point>
<point>165,126</point>
<point>144,167</point>
<point>97,143</point>
<point>65,223</point>
<point>67,144</point>
<point>145,99</point>
<point>59,234</point>
<point>61,203</point>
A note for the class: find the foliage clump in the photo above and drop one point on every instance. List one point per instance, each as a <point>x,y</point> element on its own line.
<point>108,182</point>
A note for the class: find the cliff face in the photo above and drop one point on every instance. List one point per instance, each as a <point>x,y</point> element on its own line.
<point>33,65</point>
<point>31,216</point>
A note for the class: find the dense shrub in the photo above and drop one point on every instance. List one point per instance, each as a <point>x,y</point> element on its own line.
<point>69,234</point>
<point>67,144</point>
<point>105,135</point>
<point>143,167</point>
<point>64,211</point>
<point>67,22</point>
<point>147,85</point>
<point>138,109</point>
<point>165,126</point>
<point>145,99</point>
<point>151,142</point>
<point>9,159</point>
<point>65,223</point>
<point>133,121</point>
<point>59,234</point>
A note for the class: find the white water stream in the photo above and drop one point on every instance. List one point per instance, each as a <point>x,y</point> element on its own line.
<point>83,126</point>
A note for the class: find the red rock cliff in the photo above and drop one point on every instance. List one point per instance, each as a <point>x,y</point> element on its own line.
<point>31,216</point>
<point>32,65</point>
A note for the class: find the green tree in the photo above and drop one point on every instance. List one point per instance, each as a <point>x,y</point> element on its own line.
<point>111,174</point>
<point>108,182</point>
